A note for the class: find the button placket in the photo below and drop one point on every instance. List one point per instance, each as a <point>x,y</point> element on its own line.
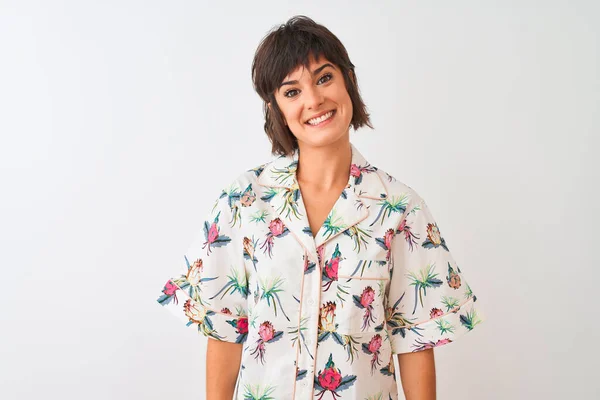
<point>310,312</point>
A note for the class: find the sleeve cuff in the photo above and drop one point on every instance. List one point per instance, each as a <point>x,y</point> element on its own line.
<point>436,331</point>
<point>220,325</point>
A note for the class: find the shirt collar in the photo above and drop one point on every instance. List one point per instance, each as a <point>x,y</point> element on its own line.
<point>363,180</point>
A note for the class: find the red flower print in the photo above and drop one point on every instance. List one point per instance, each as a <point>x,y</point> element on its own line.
<point>276,227</point>
<point>373,349</point>
<point>364,301</point>
<point>357,171</point>
<point>402,226</point>
<point>266,331</point>
<point>170,288</point>
<point>386,242</point>
<point>435,312</point>
<point>226,311</point>
<point>410,237</point>
<point>213,237</point>
<point>242,325</point>
<point>367,296</point>
<point>389,235</point>
<point>331,380</point>
<point>331,268</point>
<point>375,343</point>
<point>213,233</point>
<point>169,291</point>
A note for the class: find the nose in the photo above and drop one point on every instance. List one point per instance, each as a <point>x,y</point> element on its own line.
<point>314,98</point>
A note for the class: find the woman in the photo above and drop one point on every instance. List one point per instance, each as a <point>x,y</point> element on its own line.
<point>316,268</point>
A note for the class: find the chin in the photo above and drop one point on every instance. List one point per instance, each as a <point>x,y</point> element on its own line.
<point>324,140</point>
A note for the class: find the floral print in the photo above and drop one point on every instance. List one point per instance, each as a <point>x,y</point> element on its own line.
<point>266,334</point>
<point>372,348</point>
<point>321,317</point>
<point>331,380</point>
<point>364,302</point>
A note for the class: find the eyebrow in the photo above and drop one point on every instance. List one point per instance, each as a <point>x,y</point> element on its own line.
<point>315,72</point>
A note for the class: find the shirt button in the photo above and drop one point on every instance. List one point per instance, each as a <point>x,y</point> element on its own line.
<point>311,302</point>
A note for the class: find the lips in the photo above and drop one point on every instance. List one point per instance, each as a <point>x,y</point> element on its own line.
<point>332,112</point>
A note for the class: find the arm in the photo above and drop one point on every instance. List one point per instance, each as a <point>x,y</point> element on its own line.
<point>222,366</point>
<point>417,374</point>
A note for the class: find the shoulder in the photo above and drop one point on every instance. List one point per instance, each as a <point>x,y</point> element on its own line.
<point>243,187</point>
<point>397,189</point>
<point>246,180</point>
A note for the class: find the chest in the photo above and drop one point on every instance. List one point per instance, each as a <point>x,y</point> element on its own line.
<point>318,205</point>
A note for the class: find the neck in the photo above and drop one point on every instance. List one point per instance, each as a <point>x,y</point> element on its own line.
<point>324,167</point>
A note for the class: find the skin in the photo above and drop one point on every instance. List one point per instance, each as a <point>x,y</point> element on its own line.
<point>325,152</point>
<point>223,360</point>
<point>417,374</point>
<point>323,172</point>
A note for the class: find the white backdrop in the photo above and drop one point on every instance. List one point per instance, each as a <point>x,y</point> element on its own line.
<point>111,112</point>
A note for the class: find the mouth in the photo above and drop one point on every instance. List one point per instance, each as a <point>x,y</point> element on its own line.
<point>321,120</point>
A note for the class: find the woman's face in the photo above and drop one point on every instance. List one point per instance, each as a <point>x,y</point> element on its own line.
<point>320,92</point>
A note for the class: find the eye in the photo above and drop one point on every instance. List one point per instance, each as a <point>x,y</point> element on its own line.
<point>327,75</point>
<point>289,91</point>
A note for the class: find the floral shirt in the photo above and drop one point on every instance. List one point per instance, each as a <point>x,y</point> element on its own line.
<point>321,317</point>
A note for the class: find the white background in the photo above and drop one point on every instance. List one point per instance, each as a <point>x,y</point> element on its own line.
<point>122,120</point>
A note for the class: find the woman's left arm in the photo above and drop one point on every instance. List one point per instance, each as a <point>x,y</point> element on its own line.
<point>417,374</point>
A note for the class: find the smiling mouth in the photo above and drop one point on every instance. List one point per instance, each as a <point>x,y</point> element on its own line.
<point>322,119</point>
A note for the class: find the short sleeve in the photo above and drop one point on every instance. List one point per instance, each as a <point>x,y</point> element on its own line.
<point>210,294</point>
<point>429,301</point>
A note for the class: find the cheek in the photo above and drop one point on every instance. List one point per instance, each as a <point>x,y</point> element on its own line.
<point>347,104</point>
<point>292,114</point>
<point>344,99</point>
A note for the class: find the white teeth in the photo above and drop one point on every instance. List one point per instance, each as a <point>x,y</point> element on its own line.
<point>316,121</point>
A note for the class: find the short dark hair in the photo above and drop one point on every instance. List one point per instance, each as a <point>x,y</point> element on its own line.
<point>281,51</point>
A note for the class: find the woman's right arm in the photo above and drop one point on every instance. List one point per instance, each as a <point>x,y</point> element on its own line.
<point>223,361</point>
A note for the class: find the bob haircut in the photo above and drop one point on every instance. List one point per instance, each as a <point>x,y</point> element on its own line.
<point>281,51</point>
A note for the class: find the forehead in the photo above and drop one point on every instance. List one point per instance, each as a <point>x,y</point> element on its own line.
<point>299,71</point>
